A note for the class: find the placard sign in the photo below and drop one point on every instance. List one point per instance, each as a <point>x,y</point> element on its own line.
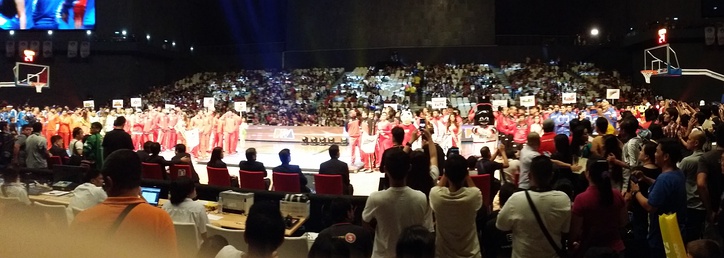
<point>613,93</point>
<point>117,103</point>
<point>89,104</point>
<point>169,106</point>
<point>499,103</point>
<point>394,106</point>
<point>208,102</point>
<point>438,103</point>
<point>240,106</point>
<point>527,101</point>
<point>568,98</point>
<point>136,102</point>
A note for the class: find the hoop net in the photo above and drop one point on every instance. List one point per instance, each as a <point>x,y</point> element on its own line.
<point>38,86</point>
<point>648,73</point>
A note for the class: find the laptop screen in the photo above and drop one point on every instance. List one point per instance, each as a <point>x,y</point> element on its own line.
<point>151,195</point>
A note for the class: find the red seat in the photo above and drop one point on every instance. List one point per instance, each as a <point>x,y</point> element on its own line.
<point>54,160</point>
<point>516,178</point>
<point>252,180</point>
<point>180,170</point>
<point>286,182</point>
<point>66,160</point>
<point>218,176</point>
<point>328,184</point>
<point>483,183</point>
<point>152,171</point>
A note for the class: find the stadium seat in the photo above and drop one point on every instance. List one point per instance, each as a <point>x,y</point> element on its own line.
<point>251,180</point>
<point>482,182</point>
<point>286,182</point>
<point>328,184</point>
<point>180,171</point>
<point>234,237</point>
<point>218,176</point>
<point>187,239</point>
<point>294,247</point>
<point>52,217</point>
<point>152,171</point>
<point>54,160</point>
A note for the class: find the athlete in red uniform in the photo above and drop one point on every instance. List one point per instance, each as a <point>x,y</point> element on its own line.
<point>353,130</point>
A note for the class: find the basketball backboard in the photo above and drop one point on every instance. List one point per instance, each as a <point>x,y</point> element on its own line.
<point>30,75</point>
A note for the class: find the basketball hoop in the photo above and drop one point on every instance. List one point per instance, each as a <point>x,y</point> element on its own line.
<point>648,73</point>
<point>38,86</point>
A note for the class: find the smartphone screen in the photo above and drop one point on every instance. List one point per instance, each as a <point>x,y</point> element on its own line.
<point>423,124</point>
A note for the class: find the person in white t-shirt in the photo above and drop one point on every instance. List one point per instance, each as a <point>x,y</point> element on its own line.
<point>390,211</point>
<point>554,208</point>
<point>90,193</point>
<point>12,188</point>
<point>264,232</point>
<point>455,207</point>
<point>183,208</point>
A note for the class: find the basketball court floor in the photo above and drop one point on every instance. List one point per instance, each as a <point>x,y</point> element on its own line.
<point>307,157</point>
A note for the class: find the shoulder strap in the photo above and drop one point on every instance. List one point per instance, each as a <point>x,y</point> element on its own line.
<point>559,251</point>
<point>121,217</point>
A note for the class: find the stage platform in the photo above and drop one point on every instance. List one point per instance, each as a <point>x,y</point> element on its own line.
<point>307,157</point>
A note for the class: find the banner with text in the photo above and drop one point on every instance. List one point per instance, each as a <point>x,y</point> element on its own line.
<point>89,104</point>
<point>117,103</point>
<point>527,101</point>
<point>613,93</point>
<point>438,103</point>
<point>136,102</point>
<point>499,103</point>
<point>568,98</point>
<point>240,106</point>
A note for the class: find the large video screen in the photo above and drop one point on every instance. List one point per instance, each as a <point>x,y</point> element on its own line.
<point>47,14</point>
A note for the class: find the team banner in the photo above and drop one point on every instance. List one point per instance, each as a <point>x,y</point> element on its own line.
<point>9,48</point>
<point>89,104</point>
<point>613,93</point>
<point>568,97</point>
<point>240,106</point>
<point>499,103</point>
<point>72,49</point>
<point>136,102</point>
<point>47,48</point>
<point>117,103</point>
<point>527,101</point>
<point>438,103</point>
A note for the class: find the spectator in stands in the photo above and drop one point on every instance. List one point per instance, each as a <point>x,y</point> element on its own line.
<point>75,148</point>
<point>341,213</point>
<point>11,187</point>
<point>7,143</point>
<point>497,243</point>
<point>144,153</point>
<point>695,211</point>
<point>415,242</point>
<point>398,207</point>
<point>440,152</point>
<point>554,208</point>
<point>529,151</point>
<point>92,149</point>
<point>456,207</point>
<point>36,148</point>
<point>19,154</point>
<point>424,170</point>
<point>650,115</point>
<point>143,230</point>
<point>398,135</point>
<point>547,145</point>
<point>285,167</point>
<point>250,164</point>
<point>667,194</point>
<point>564,179</point>
<point>58,149</point>
<point>182,208</point>
<point>599,213</point>
<point>597,145</point>
<point>703,248</point>
<point>488,165</point>
<point>117,138</point>
<point>672,128</point>
<point>264,232</point>
<point>336,167</point>
<point>90,193</point>
<point>181,158</point>
<point>709,176</point>
<point>215,161</point>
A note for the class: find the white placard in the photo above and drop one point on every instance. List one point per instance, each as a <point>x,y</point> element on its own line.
<point>438,103</point>
<point>208,102</point>
<point>136,102</point>
<point>613,93</point>
<point>499,103</point>
<point>568,97</point>
<point>169,106</point>
<point>240,106</point>
<point>527,101</point>
<point>394,106</point>
<point>117,103</point>
<point>89,104</point>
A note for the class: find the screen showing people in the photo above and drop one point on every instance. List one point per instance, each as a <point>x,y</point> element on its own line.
<point>47,14</point>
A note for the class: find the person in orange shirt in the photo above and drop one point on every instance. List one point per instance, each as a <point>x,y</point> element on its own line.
<point>205,133</point>
<point>162,125</point>
<point>64,129</point>
<point>218,131</point>
<point>127,126</point>
<point>136,122</point>
<point>235,139</point>
<point>51,128</point>
<point>172,138</point>
<point>353,129</point>
<point>124,225</point>
<point>196,123</point>
<point>230,127</point>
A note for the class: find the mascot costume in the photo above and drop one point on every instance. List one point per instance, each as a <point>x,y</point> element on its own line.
<point>407,125</point>
<point>484,132</point>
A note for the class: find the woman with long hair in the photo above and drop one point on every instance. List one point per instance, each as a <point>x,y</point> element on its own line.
<point>645,176</point>
<point>419,176</point>
<point>599,213</point>
<point>183,208</point>
<point>451,132</point>
<point>215,161</point>
<point>384,137</point>
<point>612,146</point>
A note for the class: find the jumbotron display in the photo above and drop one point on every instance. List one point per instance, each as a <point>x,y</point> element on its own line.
<point>47,14</point>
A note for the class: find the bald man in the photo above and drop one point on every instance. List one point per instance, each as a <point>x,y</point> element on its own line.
<point>695,210</point>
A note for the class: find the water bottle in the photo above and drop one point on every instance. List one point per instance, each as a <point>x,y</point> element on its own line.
<point>220,209</point>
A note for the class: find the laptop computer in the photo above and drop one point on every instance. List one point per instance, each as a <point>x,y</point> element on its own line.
<point>151,194</point>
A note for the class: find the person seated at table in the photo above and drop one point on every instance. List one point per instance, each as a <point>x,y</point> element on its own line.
<point>12,188</point>
<point>90,193</point>
<point>154,149</point>
<point>286,157</point>
<point>146,151</point>
<point>251,165</point>
<point>58,149</point>
<point>183,208</point>
<point>264,232</point>
<point>183,158</point>
<point>336,167</point>
<point>215,161</point>
<point>341,212</point>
